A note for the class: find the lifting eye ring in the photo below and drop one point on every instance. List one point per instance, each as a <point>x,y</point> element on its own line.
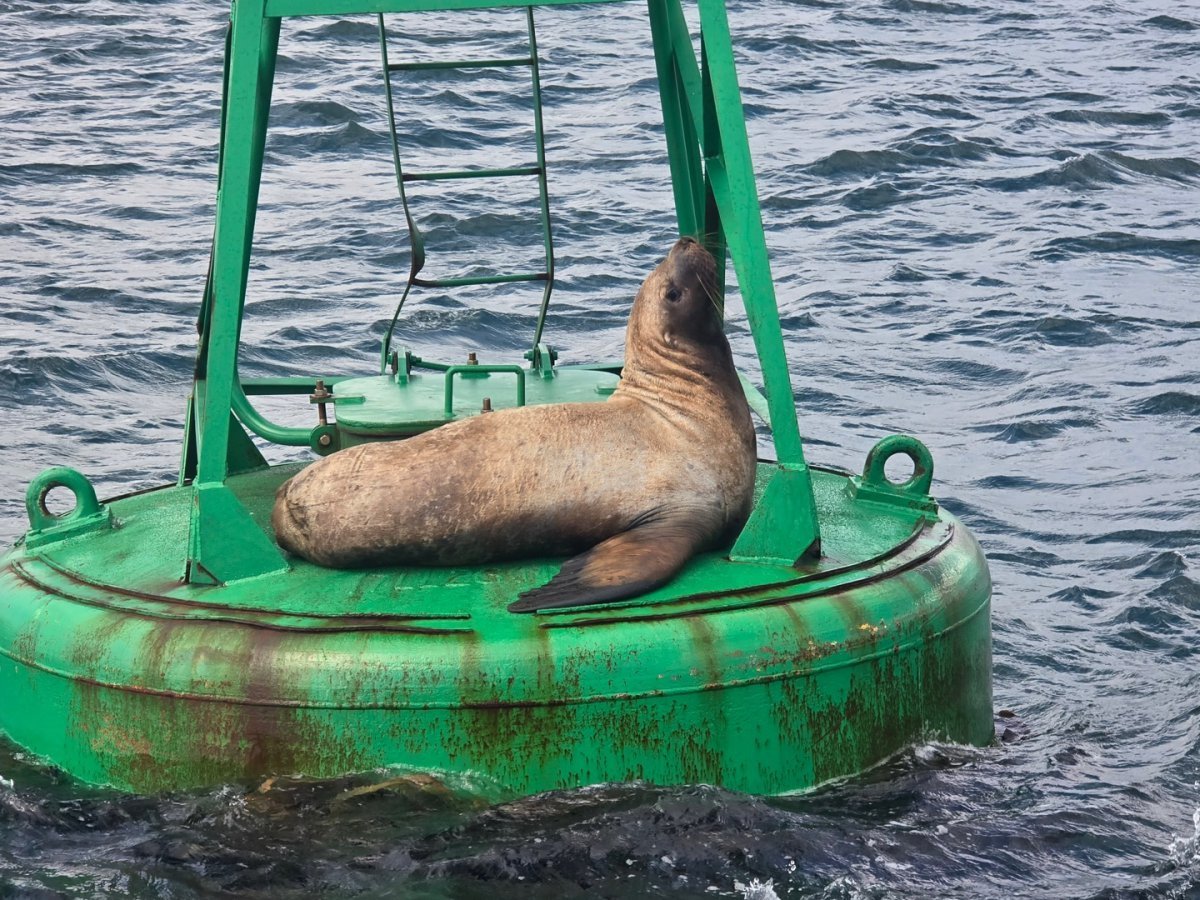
<point>86,504</point>
<point>918,483</point>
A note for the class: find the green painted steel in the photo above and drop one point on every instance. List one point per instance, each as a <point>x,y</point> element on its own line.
<point>162,640</point>
<point>427,399</point>
<point>716,199</point>
<point>759,677</point>
<point>283,8</point>
<point>87,513</point>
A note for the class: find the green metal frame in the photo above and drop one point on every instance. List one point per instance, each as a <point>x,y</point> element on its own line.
<point>715,196</point>
<point>744,670</point>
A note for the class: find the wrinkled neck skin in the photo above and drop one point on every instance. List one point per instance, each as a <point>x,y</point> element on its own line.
<point>690,370</point>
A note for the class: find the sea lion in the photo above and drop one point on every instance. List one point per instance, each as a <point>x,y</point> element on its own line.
<point>639,483</point>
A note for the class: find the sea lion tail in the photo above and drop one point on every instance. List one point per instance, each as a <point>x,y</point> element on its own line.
<point>623,566</point>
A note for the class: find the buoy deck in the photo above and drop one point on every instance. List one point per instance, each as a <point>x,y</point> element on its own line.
<point>775,678</point>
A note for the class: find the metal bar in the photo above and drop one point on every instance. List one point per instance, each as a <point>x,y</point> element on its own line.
<point>476,369</point>
<point>351,7</point>
<point>252,54</point>
<point>460,64</point>
<point>286,385</point>
<point>481,279</point>
<point>685,60</point>
<point>737,198</point>
<point>224,542</point>
<point>203,322</point>
<point>289,436</point>
<point>457,174</point>
<point>710,137</point>
<point>543,187</point>
<point>417,363</point>
<point>686,175</point>
<point>695,84</point>
<point>755,398</point>
<point>187,456</point>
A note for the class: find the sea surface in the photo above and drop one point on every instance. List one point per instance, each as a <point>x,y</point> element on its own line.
<point>984,220</point>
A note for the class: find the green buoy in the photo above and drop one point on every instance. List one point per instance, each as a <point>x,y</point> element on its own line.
<point>161,640</point>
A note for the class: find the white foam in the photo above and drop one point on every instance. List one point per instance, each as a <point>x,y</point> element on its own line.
<point>1186,850</point>
<point>757,890</point>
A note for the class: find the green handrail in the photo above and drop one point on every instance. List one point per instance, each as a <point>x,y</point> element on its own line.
<point>480,369</point>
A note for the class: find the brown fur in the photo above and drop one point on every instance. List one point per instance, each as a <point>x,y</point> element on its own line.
<point>663,469</point>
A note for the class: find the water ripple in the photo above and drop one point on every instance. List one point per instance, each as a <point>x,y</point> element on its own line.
<point>982,232</point>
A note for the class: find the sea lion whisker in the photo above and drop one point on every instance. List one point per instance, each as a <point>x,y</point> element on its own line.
<point>714,297</point>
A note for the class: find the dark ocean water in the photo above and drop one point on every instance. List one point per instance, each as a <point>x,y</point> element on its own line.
<point>985,232</point>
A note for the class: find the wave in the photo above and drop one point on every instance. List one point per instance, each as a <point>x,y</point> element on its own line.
<point>1120,243</point>
<point>1169,403</point>
<point>1170,23</point>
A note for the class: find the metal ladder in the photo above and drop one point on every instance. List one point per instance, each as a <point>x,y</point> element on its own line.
<point>540,356</point>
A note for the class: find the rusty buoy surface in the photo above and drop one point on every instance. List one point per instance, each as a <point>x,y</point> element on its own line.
<point>763,678</point>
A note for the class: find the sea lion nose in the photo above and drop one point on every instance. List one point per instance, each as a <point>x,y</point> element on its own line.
<point>684,245</point>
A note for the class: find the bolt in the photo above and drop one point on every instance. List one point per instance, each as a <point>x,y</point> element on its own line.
<point>487,404</point>
<point>321,393</point>
<point>472,359</point>
<point>324,440</point>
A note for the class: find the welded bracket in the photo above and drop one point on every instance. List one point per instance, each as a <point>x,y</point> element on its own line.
<point>543,357</point>
<point>782,529</point>
<point>225,543</point>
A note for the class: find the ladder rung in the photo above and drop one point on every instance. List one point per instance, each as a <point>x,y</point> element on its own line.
<point>461,64</point>
<point>480,279</point>
<point>472,173</point>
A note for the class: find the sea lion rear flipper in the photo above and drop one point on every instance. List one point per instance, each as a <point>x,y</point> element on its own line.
<point>625,565</point>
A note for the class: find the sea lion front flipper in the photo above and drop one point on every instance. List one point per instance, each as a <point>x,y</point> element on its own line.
<point>625,565</point>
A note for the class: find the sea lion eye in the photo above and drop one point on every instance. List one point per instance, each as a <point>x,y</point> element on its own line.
<point>673,294</point>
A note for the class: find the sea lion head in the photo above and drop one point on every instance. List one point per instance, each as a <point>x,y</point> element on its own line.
<point>681,296</point>
<point>677,316</point>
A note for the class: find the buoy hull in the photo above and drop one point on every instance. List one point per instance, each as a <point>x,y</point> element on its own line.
<point>773,683</point>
